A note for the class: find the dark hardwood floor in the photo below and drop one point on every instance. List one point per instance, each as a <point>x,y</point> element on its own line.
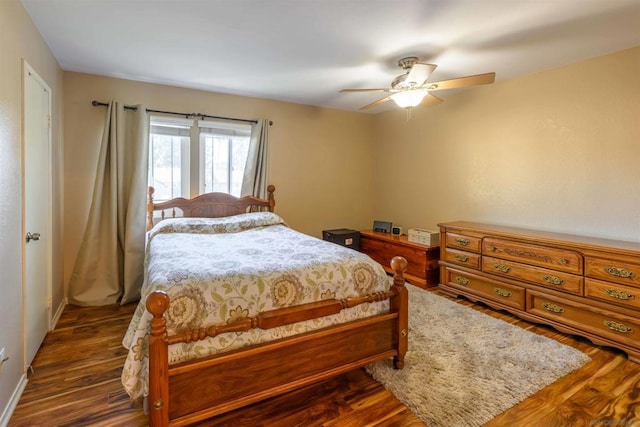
<point>76,382</point>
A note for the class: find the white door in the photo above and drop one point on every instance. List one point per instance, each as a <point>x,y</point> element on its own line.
<point>37,211</point>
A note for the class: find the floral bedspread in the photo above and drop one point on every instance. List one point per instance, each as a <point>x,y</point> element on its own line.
<point>217,270</point>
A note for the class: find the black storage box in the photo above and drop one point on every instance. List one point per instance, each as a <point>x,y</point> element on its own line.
<point>343,237</point>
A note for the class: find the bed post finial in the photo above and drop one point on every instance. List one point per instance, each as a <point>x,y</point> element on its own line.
<point>150,191</point>
<point>272,202</point>
<point>400,305</point>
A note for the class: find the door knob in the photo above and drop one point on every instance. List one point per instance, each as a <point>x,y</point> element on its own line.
<point>32,236</point>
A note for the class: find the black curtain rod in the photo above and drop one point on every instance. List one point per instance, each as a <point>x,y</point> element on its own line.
<point>202,116</point>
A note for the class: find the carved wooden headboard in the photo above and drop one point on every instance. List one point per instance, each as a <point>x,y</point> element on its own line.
<point>208,205</point>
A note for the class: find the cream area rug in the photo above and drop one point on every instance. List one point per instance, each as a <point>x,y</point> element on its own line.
<point>464,367</point>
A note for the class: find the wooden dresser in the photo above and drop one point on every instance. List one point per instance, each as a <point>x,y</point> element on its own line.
<point>422,269</point>
<point>579,285</point>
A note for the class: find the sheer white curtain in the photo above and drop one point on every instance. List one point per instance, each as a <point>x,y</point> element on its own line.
<point>109,266</point>
<point>254,182</point>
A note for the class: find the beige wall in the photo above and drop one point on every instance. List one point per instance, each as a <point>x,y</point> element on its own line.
<point>19,39</point>
<point>557,150</point>
<point>320,160</point>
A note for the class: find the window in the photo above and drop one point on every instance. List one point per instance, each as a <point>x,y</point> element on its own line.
<point>189,157</point>
<point>223,156</point>
<point>169,157</point>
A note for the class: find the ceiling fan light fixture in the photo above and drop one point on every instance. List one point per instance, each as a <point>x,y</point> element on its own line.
<point>409,98</point>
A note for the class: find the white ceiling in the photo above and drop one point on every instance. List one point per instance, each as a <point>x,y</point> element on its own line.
<point>305,51</point>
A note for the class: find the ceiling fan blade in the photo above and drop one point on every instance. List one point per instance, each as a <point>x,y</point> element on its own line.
<point>378,102</point>
<point>419,74</point>
<point>365,90</point>
<point>478,79</point>
<point>430,100</point>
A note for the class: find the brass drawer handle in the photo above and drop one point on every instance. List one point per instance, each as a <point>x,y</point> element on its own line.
<point>463,242</point>
<point>620,272</point>
<point>461,258</point>
<point>552,307</point>
<point>462,280</point>
<point>502,268</point>
<point>553,280</point>
<point>502,292</point>
<point>614,293</point>
<point>564,261</point>
<point>618,327</point>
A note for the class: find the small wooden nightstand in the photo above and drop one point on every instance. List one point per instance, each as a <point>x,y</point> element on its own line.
<point>423,260</point>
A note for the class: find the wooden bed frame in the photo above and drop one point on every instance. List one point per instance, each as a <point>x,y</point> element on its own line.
<point>191,391</point>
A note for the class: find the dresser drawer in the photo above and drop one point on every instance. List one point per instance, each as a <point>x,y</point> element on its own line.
<point>512,296</point>
<point>626,273</point>
<point>462,242</point>
<point>382,252</point>
<point>617,327</point>
<point>612,292</point>
<point>540,276</point>
<point>466,259</point>
<point>541,256</point>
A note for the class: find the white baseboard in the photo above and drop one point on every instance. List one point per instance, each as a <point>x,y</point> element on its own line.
<point>15,397</point>
<point>59,311</point>
<point>13,402</point>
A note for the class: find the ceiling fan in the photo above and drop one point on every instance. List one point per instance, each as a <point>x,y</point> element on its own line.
<point>411,88</point>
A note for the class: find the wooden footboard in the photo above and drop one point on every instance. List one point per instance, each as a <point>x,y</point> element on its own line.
<point>191,391</point>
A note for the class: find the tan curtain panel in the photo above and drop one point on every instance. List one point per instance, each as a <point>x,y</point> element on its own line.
<point>254,181</point>
<point>109,266</point>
